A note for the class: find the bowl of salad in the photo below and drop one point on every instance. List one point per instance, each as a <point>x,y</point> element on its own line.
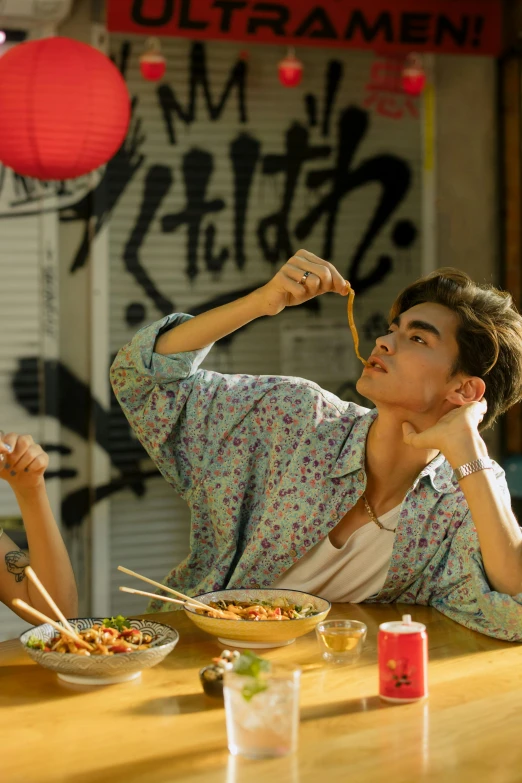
<point>258,618</point>
<point>113,649</point>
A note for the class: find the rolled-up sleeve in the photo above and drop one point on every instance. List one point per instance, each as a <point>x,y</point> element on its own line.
<point>153,390</point>
<point>182,414</point>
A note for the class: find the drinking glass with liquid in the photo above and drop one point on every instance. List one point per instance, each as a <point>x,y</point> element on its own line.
<point>341,641</point>
<point>262,713</point>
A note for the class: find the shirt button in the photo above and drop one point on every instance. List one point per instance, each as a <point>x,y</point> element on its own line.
<point>360,475</point>
<point>293,553</point>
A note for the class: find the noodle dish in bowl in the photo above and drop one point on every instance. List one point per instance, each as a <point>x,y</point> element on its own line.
<point>258,618</point>
<point>108,650</point>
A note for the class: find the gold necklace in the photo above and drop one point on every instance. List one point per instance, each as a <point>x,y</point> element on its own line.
<point>372,516</point>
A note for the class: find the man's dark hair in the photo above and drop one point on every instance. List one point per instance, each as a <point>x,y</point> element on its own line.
<point>489,334</point>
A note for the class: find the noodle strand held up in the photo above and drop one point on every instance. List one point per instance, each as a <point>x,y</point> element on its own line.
<point>353,328</point>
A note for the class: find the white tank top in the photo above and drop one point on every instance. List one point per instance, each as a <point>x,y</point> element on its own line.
<point>352,573</point>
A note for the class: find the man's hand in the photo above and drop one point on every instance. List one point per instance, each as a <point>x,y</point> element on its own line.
<point>286,290</point>
<point>24,462</point>
<point>455,435</point>
<point>500,538</point>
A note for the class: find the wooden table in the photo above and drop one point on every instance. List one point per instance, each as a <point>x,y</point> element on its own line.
<point>162,728</point>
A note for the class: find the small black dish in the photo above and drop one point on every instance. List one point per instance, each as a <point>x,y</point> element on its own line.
<point>211,678</point>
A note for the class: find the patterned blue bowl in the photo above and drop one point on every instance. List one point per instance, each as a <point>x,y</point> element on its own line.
<point>102,669</point>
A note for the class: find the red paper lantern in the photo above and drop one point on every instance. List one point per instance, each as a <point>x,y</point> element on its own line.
<point>413,76</point>
<point>64,106</point>
<point>152,63</point>
<point>290,70</point>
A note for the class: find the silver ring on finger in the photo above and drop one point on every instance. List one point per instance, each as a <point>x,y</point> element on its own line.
<point>304,277</point>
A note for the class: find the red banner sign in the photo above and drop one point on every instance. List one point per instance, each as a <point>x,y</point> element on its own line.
<point>458,26</point>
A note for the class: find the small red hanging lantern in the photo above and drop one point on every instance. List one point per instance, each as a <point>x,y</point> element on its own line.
<point>65,108</point>
<point>413,77</point>
<point>152,62</point>
<point>290,70</point>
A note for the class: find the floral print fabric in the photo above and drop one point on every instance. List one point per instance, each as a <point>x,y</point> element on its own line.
<point>269,465</point>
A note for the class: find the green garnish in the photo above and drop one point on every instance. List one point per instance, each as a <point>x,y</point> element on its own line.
<point>35,643</point>
<point>251,665</point>
<point>249,691</point>
<point>119,622</point>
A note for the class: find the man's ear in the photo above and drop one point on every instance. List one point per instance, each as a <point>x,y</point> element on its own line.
<point>468,389</point>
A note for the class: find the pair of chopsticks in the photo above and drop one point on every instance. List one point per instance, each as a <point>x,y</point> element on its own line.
<point>191,603</point>
<point>66,628</point>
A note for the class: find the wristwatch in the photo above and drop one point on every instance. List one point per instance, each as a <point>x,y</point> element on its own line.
<point>483,463</point>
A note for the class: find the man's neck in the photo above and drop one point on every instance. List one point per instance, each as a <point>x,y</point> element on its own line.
<point>391,465</point>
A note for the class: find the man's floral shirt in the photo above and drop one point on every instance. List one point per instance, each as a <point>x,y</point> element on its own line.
<point>269,465</point>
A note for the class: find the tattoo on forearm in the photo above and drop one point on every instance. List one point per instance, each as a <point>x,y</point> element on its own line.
<point>16,563</point>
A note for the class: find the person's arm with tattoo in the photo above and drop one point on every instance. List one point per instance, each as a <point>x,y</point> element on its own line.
<point>23,466</point>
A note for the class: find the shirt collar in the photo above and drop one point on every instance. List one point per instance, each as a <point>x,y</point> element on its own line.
<point>353,453</point>
<point>352,456</point>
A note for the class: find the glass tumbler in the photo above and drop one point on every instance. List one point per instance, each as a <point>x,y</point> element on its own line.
<point>262,714</point>
<point>341,641</point>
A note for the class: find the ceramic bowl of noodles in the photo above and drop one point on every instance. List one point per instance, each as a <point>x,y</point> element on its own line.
<point>265,618</point>
<point>119,650</point>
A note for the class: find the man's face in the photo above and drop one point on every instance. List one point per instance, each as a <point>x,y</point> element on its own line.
<point>417,355</point>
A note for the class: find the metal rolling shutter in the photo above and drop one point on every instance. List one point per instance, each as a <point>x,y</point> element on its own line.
<point>20,321</point>
<point>28,335</point>
<point>150,533</point>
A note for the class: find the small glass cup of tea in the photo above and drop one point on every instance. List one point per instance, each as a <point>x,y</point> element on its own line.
<point>341,641</point>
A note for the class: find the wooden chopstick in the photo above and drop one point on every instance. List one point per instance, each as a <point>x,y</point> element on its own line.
<point>167,600</point>
<point>44,619</point>
<point>159,597</point>
<point>45,595</point>
<point>165,588</point>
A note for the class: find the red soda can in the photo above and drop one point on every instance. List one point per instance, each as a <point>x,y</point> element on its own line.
<point>403,660</point>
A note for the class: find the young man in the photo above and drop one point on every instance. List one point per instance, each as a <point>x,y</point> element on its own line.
<point>22,464</point>
<point>290,486</point>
